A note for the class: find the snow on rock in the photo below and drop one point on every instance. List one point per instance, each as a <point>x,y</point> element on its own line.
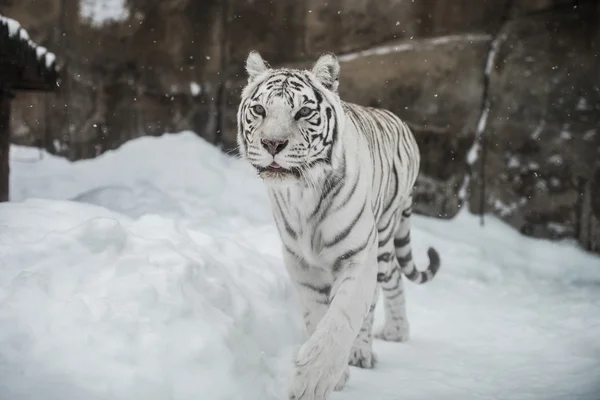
<point>195,89</point>
<point>101,12</point>
<point>15,29</point>
<point>473,153</point>
<point>154,272</point>
<point>413,45</point>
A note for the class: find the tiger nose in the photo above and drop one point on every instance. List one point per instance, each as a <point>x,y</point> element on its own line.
<point>274,146</point>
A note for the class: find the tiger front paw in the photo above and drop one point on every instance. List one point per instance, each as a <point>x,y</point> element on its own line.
<point>317,372</point>
<point>343,379</point>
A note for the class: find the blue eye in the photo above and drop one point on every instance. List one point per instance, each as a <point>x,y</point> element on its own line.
<point>260,110</point>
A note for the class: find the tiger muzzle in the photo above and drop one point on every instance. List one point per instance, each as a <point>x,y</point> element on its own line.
<point>274,146</point>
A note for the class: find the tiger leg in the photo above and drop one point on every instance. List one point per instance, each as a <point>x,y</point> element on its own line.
<point>313,290</point>
<point>313,293</point>
<point>396,326</point>
<point>322,360</point>
<point>362,354</point>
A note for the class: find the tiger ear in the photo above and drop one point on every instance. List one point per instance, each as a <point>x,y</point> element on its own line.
<point>327,71</point>
<point>255,65</point>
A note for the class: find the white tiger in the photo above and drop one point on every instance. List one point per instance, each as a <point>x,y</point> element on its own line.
<point>340,178</point>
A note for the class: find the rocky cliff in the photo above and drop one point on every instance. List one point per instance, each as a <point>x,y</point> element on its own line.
<point>504,95</point>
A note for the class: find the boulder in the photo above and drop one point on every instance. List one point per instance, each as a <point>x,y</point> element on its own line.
<point>349,25</point>
<point>436,87</point>
<point>542,139</point>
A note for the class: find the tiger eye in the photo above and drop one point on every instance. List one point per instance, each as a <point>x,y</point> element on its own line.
<point>259,109</point>
<point>304,111</point>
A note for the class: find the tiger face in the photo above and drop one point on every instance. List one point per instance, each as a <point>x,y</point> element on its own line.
<point>289,120</point>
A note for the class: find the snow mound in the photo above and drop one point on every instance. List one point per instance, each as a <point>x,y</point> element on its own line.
<point>96,305</point>
<point>154,272</point>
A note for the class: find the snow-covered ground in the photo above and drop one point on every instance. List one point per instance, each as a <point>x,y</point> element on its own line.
<point>153,272</point>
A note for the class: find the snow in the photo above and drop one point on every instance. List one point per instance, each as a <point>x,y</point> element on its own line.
<point>14,29</point>
<point>582,104</point>
<point>50,60</point>
<point>473,153</point>
<point>513,162</point>
<point>411,45</point>
<point>565,135</point>
<point>195,89</point>
<point>13,26</point>
<point>101,12</point>
<point>474,150</point>
<point>504,209</point>
<point>555,159</point>
<point>589,134</point>
<point>537,132</point>
<point>154,272</point>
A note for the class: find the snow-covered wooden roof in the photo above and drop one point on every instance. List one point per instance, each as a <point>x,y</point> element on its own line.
<point>23,64</point>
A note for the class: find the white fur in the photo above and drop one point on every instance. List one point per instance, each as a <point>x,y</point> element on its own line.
<point>322,360</point>
<point>327,71</point>
<point>255,66</point>
<point>335,271</point>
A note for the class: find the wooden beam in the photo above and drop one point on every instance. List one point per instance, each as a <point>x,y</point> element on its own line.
<point>25,78</point>
<point>20,66</point>
<point>5,98</point>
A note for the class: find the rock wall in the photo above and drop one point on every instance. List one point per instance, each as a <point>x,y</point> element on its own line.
<point>542,137</point>
<point>504,95</point>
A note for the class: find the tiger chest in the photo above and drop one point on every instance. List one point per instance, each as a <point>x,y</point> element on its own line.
<point>301,234</point>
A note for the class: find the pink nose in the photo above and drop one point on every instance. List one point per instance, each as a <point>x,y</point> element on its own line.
<point>274,146</point>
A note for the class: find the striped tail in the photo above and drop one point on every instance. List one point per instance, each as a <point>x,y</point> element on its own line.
<point>404,253</point>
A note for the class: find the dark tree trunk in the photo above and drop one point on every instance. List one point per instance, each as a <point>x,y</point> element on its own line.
<point>4,143</point>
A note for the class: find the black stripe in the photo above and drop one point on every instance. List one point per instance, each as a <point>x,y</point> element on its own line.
<point>349,196</point>
<point>290,251</point>
<point>407,212</point>
<point>395,180</point>
<point>340,185</point>
<point>401,242</point>
<point>396,285</point>
<point>385,240</point>
<point>323,290</point>
<point>331,182</point>
<point>413,275</point>
<point>392,297</point>
<point>405,260</point>
<point>385,257</point>
<point>288,228</point>
<point>383,278</point>
<point>387,225</point>
<point>343,234</point>
<point>337,265</point>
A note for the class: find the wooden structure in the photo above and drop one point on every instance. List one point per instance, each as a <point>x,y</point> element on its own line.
<point>23,66</point>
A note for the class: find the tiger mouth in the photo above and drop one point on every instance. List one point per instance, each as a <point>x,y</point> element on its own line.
<point>276,170</point>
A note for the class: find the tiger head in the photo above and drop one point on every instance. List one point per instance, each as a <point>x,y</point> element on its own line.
<point>290,120</point>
